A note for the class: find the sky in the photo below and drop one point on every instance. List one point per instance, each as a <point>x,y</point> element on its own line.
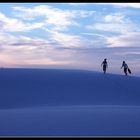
<point>70,35</point>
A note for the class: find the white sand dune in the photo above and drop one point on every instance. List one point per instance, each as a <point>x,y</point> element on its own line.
<point>58,102</point>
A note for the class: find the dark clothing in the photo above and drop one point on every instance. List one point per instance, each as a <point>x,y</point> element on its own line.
<point>104,67</point>
<point>104,63</point>
<point>125,66</point>
<point>125,71</point>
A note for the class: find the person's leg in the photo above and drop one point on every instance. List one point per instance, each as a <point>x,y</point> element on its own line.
<point>104,69</point>
<point>125,71</point>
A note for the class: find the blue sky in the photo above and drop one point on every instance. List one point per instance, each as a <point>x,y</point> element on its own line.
<point>70,35</point>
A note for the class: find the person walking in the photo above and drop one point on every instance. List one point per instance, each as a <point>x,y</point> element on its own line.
<point>104,65</point>
<point>126,68</point>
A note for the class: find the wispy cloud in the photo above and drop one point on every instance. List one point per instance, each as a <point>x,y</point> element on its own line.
<point>127,40</point>
<point>15,25</point>
<point>93,34</point>
<point>64,39</point>
<point>116,22</point>
<point>31,51</point>
<point>52,17</point>
<point>8,39</point>
<point>115,5</point>
<point>122,5</point>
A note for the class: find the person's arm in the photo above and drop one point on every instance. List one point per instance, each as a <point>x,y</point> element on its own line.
<point>101,64</point>
<point>122,66</point>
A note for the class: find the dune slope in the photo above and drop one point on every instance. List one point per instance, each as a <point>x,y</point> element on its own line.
<point>58,102</point>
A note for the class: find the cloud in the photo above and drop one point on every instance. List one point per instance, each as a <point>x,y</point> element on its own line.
<point>15,25</point>
<point>112,27</point>
<point>24,50</point>
<point>118,30</point>
<point>8,39</point>
<point>115,17</point>
<point>115,23</point>
<point>72,41</point>
<point>126,40</point>
<point>78,4</point>
<point>65,40</point>
<point>122,5</point>
<point>55,18</point>
<point>134,55</point>
<point>93,34</point>
<point>116,5</point>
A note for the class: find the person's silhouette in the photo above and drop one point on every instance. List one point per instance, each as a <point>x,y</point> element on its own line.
<point>104,65</point>
<point>125,66</point>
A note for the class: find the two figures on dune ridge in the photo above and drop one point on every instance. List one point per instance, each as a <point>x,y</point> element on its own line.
<point>124,65</point>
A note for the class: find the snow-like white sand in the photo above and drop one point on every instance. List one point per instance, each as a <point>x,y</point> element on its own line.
<point>57,102</point>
